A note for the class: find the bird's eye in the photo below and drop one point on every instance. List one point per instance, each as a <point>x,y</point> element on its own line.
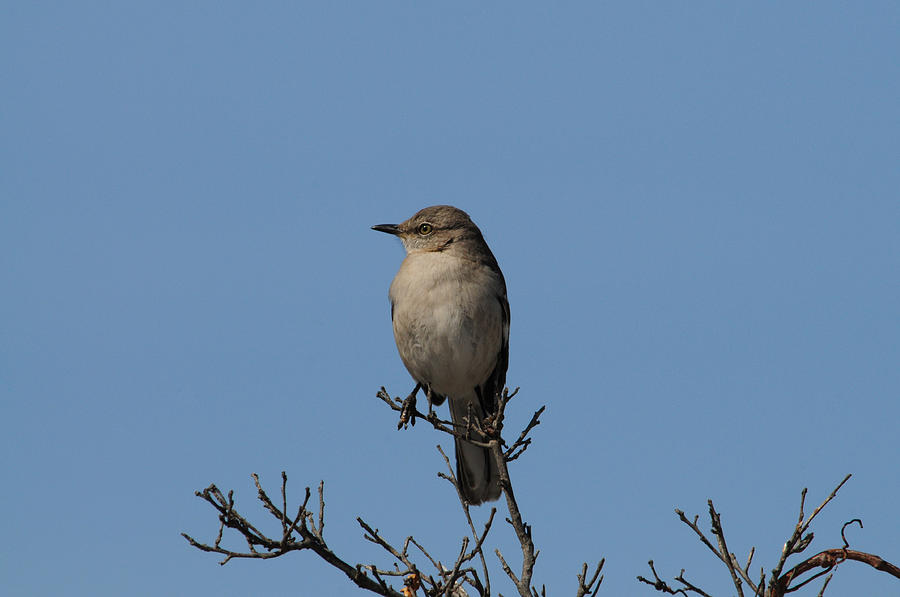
<point>425,229</point>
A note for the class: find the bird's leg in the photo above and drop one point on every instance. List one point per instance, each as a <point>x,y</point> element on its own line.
<point>487,426</point>
<point>429,394</point>
<point>408,411</point>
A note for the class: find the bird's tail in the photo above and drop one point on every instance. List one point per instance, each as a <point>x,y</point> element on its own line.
<point>476,469</point>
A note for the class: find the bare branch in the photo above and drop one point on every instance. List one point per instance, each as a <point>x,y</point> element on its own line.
<point>522,530</point>
<point>409,410</point>
<point>305,529</point>
<point>309,539</point>
<point>521,444</point>
<point>843,528</point>
<point>725,555</point>
<point>487,433</point>
<point>825,584</point>
<point>829,559</point>
<point>587,587</point>
<point>797,541</point>
<point>778,584</point>
<point>661,585</point>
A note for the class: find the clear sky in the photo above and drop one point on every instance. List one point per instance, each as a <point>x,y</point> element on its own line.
<point>695,206</point>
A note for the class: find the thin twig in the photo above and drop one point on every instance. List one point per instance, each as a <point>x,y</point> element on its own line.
<point>587,587</point>
<point>724,554</point>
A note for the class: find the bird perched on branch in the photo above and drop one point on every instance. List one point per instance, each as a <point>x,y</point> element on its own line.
<point>451,324</point>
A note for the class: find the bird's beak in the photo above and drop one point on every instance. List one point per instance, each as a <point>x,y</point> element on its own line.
<point>389,228</point>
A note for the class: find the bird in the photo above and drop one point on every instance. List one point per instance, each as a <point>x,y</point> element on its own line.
<point>450,316</point>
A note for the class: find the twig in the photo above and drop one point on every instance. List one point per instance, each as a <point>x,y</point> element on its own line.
<point>661,585</point>
<point>587,587</point>
<point>479,539</point>
<point>723,553</point>
<point>488,434</point>
<point>310,539</point>
<point>523,441</point>
<point>797,542</point>
<point>779,584</point>
<point>522,530</point>
<point>829,559</point>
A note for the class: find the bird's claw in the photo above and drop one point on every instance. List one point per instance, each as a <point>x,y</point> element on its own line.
<point>408,412</point>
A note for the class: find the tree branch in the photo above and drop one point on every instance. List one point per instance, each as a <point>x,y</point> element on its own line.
<point>779,584</point>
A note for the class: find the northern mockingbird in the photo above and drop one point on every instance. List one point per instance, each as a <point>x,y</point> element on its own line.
<point>451,325</point>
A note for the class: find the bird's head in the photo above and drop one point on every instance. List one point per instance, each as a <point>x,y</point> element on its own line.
<point>434,228</point>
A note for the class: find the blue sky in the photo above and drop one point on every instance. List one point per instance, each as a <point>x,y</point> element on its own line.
<point>695,206</point>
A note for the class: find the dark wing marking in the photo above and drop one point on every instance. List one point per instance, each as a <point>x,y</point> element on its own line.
<point>496,381</point>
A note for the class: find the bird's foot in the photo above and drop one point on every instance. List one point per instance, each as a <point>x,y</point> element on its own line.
<point>408,410</point>
<point>431,416</point>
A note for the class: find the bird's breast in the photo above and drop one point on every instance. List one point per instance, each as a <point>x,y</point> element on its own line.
<point>448,321</point>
